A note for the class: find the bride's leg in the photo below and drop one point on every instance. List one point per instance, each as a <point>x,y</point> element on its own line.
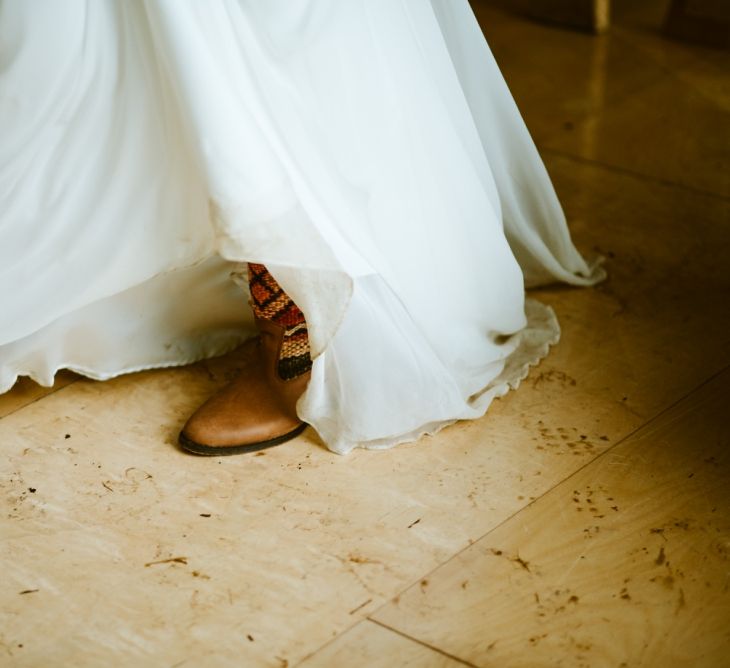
<point>270,302</point>
<point>258,409</point>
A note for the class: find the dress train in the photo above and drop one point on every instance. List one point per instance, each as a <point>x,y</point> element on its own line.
<point>368,152</point>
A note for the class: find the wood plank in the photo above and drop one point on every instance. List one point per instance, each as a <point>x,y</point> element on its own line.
<point>667,330</point>
<point>635,133</point>
<point>369,645</point>
<point>584,75</point>
<point>25,391</point>
<point>139,551</point>
<point>625,563</point>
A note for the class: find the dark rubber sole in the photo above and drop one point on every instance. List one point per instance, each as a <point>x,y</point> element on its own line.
<point>218,450</point>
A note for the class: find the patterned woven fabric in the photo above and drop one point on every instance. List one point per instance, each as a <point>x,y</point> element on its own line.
<point>270,302</point>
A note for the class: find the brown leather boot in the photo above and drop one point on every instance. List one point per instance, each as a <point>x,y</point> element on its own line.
<point>256,410</point>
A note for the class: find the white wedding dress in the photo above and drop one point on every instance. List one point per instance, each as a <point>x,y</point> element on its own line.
<point>367,151</point>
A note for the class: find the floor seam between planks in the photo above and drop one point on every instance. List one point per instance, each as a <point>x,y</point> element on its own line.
<point>424,644</point>
<point>37,399</point>
<point>628,436</point>
<point>560,153</point>
<point>364,620</point>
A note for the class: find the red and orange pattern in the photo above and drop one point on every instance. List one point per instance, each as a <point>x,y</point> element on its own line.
<point>270,302</point>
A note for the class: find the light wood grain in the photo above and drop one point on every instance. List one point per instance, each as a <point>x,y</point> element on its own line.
<point>369,645</point>
<point>25,391</point>
<point>625,563</point>
<point>563,78</point>
<point>633,99</point>
<point>634,134</point>
<point>144,552</point>
<point>658,326</point>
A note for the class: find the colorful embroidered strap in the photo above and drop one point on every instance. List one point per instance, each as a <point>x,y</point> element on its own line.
<point>270,302</point>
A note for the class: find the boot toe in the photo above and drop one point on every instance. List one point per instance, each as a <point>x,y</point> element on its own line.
<point>246,415</point>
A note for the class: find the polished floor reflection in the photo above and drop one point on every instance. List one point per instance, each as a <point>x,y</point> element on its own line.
<point>583,522</point>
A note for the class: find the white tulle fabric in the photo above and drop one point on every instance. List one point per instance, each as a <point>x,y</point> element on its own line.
<point>367,151</point>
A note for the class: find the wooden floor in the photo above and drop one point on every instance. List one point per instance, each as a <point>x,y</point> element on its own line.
<point>583,522</point>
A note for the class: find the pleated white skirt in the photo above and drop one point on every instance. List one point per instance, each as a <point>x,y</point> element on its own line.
<point>367,151</point>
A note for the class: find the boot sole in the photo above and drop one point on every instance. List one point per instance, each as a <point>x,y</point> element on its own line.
<point>218,450</point>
